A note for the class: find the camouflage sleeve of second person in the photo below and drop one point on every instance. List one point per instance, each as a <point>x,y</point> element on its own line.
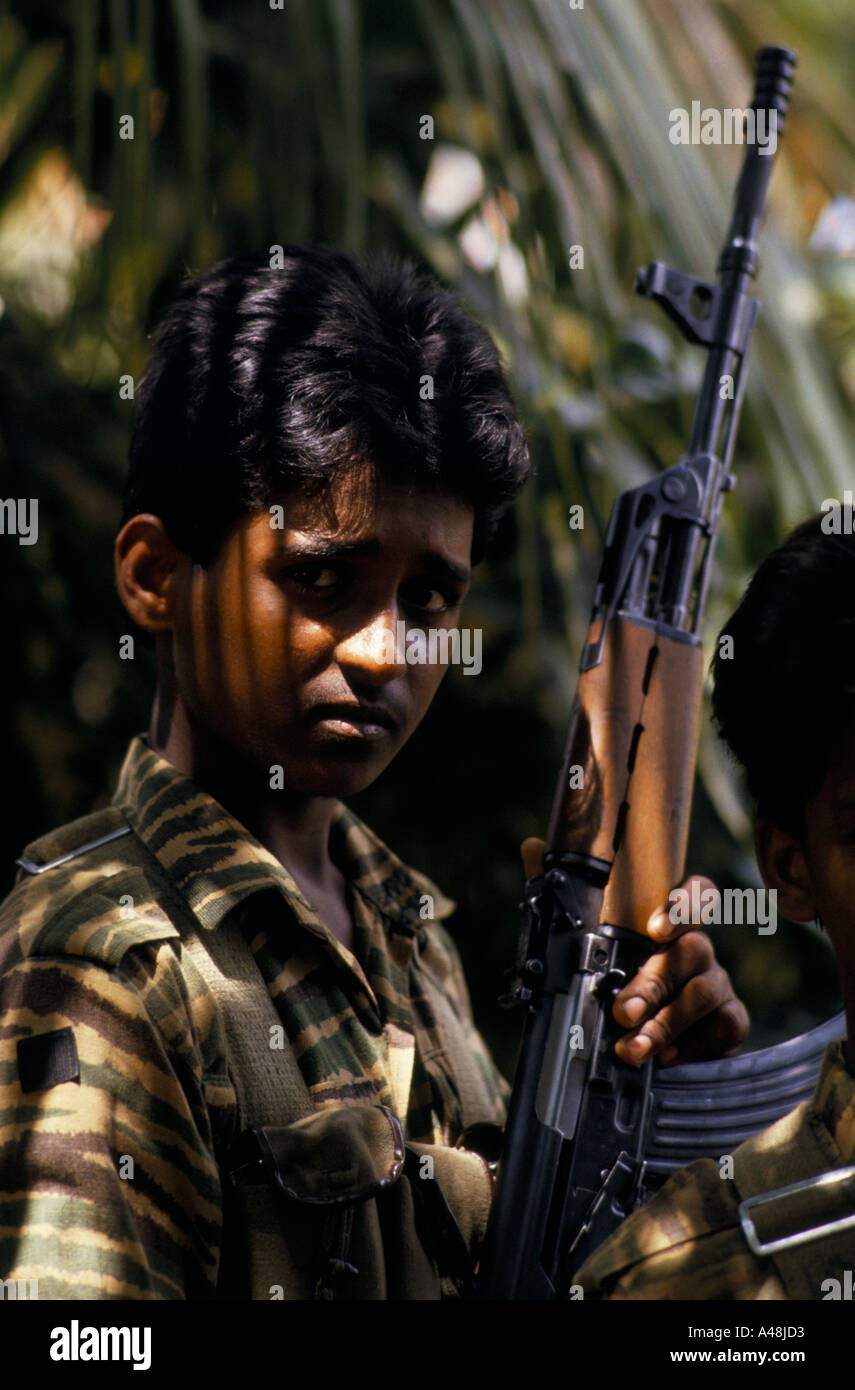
<point>685,1243</point>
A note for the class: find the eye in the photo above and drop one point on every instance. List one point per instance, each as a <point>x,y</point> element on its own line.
<point>316,577</point>
<point>428,599</point>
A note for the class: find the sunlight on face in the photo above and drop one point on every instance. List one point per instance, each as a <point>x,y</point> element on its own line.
<point>284,648</point>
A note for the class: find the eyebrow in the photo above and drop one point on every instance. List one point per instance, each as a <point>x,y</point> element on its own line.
<point>432,561</point>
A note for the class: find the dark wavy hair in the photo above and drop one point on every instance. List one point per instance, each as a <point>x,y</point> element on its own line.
<point>263,380</point>
<point>786,697</point>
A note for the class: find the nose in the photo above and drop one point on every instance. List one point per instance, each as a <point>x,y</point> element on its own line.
<point>372,651</point>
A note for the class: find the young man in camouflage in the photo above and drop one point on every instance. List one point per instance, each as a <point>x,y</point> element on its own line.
<point>785,704</point>
<point>237,1047</point>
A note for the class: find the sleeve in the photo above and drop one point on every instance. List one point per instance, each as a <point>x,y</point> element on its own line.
<point>109,1188</point>
<point>684,1244</point>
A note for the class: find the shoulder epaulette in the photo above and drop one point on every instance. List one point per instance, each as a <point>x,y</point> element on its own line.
<point>95,903</point>
<point>68,841</point>
<point>31,868</point>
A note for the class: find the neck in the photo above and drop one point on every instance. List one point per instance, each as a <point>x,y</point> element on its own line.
<point>292,825</point>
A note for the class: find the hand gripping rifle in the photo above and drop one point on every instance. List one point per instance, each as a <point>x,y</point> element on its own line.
<point>589,1138</point>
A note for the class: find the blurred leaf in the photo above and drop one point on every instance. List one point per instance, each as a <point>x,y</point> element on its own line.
<point>26,77</point>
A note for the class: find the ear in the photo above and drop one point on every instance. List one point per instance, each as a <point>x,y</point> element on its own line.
<point>784,867</point>
<point>147,566</point>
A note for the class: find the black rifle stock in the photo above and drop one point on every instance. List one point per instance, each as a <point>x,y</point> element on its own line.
<point>589,1138</point>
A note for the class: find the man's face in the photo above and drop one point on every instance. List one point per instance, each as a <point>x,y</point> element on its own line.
<point>829,852</point>
<point>284,649</point>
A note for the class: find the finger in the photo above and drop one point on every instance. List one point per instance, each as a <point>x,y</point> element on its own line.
<point>702,995</point>
<point>532,856</point>
<point>661,978</point>
<point>673,917</point>
<point>721,1034</point>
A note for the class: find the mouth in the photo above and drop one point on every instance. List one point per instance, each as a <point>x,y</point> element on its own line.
<point>346,721</point>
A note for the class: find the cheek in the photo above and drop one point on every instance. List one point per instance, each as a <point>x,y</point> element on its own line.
<point>838,880</point>
<point>249,651</point>
<point>832,872</point>
<point>424,682</point>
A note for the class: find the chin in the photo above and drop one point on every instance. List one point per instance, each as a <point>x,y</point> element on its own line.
<point>341,778</point>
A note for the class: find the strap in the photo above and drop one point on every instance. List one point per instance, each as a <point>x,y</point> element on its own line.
<point>256,1256</point>
<point>804,1226</point>
<point>267,1079</point>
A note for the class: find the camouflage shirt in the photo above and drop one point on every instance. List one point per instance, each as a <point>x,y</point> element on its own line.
<point>687,1242</point>
<point>109,1185</point>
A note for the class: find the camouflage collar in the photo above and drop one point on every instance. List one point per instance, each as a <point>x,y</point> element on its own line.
<point>216,862</point>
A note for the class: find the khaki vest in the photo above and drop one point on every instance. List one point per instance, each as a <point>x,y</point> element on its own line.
<point>333,1203</point>
<point>317,1204</point>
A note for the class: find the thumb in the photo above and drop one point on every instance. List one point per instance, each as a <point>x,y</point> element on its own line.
<point>532,856</point>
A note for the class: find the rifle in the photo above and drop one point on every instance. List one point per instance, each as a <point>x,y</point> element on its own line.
<point>588,1137</point>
